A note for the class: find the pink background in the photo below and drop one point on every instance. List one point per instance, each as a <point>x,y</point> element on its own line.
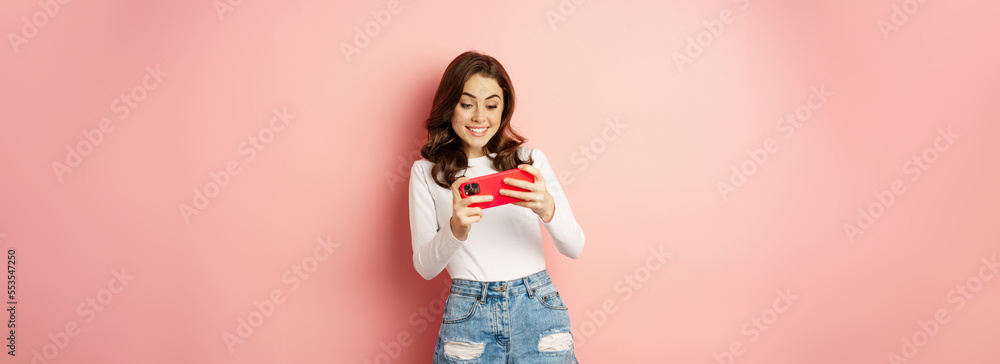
<point>340,168</point>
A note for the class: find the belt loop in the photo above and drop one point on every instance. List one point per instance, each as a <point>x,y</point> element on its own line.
<point>531,292</point>
<point>482,298</point>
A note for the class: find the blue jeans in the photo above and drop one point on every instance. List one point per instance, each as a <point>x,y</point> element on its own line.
<point>520,321</point>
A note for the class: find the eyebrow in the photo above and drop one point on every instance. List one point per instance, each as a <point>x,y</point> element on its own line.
<point>470,95</point>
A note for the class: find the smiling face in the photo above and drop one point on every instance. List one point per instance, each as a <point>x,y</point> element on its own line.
<point>477,115</point>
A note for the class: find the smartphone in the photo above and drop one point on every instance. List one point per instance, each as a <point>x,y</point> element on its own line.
<point>491,184</point>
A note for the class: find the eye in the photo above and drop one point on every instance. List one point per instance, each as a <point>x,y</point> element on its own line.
<point>465,106</point>
<point>491,107</point>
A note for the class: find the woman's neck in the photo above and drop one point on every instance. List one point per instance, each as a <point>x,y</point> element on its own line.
<point>475,154</point>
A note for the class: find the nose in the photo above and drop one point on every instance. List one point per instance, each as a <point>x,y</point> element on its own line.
<point>479,116</point>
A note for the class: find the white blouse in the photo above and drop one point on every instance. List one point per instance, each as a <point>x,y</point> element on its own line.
<point>506,244</point>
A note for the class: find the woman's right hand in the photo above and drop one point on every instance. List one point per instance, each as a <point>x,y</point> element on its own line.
<point>463,216</point>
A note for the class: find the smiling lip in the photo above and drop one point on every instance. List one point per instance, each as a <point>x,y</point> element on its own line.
<point>475,134</point>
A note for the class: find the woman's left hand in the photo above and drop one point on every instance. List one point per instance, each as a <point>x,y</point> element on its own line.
<point>537,198</point>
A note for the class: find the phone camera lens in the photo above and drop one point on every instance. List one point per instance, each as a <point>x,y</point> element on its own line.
<point>471,189</point>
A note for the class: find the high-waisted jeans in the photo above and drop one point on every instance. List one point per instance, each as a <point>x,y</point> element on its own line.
<point>519,321</point>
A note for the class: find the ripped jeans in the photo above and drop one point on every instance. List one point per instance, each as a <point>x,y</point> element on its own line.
<point>521,321</point>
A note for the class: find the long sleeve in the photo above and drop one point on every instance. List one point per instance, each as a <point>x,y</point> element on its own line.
<point>565,231</point>
<point>433,246</point>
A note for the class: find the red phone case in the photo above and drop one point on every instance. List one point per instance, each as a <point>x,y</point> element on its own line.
<point>491,184</point>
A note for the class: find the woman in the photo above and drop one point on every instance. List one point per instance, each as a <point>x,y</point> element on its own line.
<point>503,307</point>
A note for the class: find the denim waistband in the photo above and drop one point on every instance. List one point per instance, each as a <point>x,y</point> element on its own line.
<point>501,288</point>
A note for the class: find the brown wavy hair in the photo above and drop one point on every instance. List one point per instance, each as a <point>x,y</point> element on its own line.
<point>444,147</point>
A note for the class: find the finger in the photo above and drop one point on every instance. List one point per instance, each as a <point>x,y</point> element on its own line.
<point>527,196</point>
<point>480,198</point>
<point>533,171</point>
<point>468,221</point>
<point>514,182</point>
<point>532,205</point>
<point>465,202</point>
<point>470,214</point>
<point>454,187</point>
